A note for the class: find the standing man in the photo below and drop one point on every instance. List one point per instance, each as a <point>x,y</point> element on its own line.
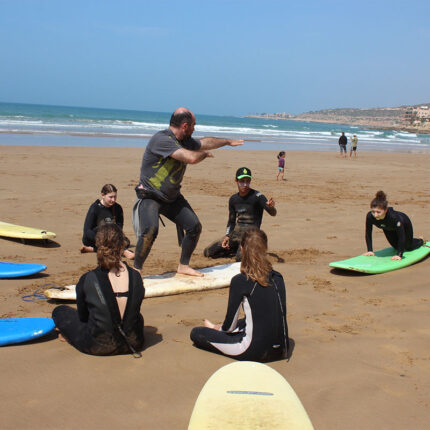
<point>342,144</point>
<point>245,211</point>
<point>163,166</point>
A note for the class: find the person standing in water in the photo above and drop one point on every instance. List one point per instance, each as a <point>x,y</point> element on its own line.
<point>245,211</point>
<point>163,166</point>
<point>396,225</point>
<point>281,165</point>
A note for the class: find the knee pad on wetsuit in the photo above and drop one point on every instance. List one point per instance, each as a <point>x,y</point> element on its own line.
<point>195,230</point>
<point>150,234</point>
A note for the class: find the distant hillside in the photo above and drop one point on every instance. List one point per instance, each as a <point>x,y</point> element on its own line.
<point>386,118</point>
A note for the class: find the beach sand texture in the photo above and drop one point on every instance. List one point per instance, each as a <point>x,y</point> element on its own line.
<point>361,358</point>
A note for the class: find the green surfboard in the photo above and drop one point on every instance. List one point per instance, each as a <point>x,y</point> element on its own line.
<point>382,262</point>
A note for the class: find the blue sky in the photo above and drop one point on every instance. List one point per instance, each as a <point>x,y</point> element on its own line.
<point>216,57</point>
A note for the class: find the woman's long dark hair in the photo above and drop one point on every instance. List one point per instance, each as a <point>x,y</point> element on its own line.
<point>110,243</point>
<point>255,264</point>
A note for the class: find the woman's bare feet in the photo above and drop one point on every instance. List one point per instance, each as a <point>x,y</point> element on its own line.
<point>128,254</point>
<point>86,249</point>
<point>184,269</point>
<point>61,337</point>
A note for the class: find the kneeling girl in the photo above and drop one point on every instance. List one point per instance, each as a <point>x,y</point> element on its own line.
<point>396,226</point>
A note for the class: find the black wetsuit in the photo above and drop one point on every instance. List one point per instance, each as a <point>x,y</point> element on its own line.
<point>397,228</point>
<point>243,213</point>
<point>159,193</point>
<point>93,327</point>
<point>98,215</point>
<point>262,335</point>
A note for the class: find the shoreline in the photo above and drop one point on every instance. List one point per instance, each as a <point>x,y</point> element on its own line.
<point>110,140</point>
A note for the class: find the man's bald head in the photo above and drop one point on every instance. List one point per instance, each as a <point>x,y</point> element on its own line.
<point>180,116</point>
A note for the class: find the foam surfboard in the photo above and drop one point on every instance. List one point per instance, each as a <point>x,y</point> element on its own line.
<point>248,395</point>
<point>168,283</point>
<point>15,270</point>
<point>17,330</point>
<point>382,262</point>
<point>21,232</point>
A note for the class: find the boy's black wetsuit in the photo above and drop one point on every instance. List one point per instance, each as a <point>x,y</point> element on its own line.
<point>97,216</point>
<point>92,328</point>
<point>244,212</point>
<point>262,335</point>
<point>397,228</point>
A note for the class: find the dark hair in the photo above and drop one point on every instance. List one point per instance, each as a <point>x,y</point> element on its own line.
<point>380,200</point>
<point>255,264</point>
<point>108,188</point>
<point>179,118</point>
<point>110,243</point>
<point>281,154</point>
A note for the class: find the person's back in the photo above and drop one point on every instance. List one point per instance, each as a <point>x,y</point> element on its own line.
<point>263,334</point>
<point>107,320</point>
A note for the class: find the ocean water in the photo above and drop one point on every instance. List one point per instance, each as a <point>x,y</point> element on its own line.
<point>24,124</point>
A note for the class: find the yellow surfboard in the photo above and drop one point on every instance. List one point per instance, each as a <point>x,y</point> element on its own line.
<point>21,232</point>
<point>248,395</point>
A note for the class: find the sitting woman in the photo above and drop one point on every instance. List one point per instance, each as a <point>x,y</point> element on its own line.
<point>263,334</point>
<point>397,227</point>
<point>108,319</point>
<point>103,211</point>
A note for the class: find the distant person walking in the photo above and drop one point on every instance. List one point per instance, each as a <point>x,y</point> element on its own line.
<point>354,141</point>
<point>281,165</point>
<point>342,145</point>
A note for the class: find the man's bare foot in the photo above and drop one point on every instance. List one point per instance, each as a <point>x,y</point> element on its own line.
<point>184,269</point>
<point>128,254</point>
<point>86,249</point>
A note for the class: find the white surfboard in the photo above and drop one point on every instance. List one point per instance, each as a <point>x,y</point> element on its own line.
<point>168,283</point>
<point>248,396</point>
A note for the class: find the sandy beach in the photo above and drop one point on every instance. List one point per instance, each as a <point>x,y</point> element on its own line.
<point>361,357</point>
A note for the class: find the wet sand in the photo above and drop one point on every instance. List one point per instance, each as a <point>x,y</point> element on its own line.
<point>361,355</point>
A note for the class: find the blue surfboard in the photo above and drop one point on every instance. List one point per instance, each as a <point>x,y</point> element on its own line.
<point>17,330</point>
<point>15,270</point>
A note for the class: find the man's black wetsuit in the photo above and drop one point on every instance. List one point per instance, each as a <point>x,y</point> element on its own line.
<point>92,328</point>
<point>98,215</point>
<point>397,228</point>
<point>159,192</point>
<point>243,213</point>
<point>262,335</point>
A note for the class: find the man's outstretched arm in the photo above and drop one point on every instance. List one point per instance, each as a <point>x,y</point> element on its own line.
<point>190,157</point>
<point>209,143</point>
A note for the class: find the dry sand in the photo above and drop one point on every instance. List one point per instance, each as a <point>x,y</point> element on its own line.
<point>361,358</point>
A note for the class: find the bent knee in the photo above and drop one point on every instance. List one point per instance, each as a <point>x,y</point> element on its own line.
<point>196,229</point>
<point>150,234</point>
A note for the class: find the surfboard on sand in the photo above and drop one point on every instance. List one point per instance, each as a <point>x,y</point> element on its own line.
<point>17,330</point>
<point>21,232</point>
<point>382,262</point>
<point>168,283</point>
<point>248,395</point>
<point>15,270</point>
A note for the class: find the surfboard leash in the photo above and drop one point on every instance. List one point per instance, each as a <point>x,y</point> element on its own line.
<point>38,295</point>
